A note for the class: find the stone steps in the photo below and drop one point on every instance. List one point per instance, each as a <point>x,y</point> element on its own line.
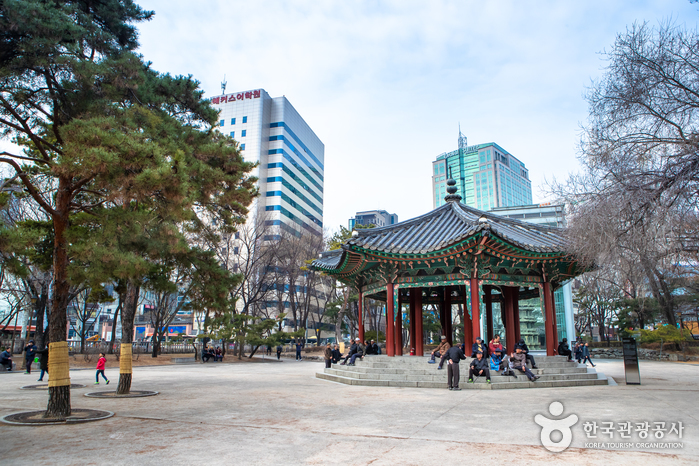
<point>554,371</point>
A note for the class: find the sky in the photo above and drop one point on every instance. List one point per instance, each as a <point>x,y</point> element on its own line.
<point>386,84</point>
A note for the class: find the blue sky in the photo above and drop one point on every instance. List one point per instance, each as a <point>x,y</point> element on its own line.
<point>385,84</point>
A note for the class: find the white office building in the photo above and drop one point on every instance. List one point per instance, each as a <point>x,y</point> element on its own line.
<point>290,155</point>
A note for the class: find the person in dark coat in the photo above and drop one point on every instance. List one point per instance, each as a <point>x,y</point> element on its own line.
<point>479,347</point>
<point>6,359</point>
<point>279,352</point>
<point>352,351</point>
<point>43,362</point>
<point>328,356</point>
<point>563,349</point>
<point>585,351</point>
<point>523,346</point>
<point>336,354</point>
<point>453,356</point>
<point>578,351</point>
<point>29,354</point>
<point>299,347</point>
<point>479,366</point>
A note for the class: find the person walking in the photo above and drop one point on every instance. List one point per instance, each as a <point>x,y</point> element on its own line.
<point>29,354</point>
<point>43,362</point>
<point>299,346</point>
<point>101,362</point>
<point>586,355</point>
<point>279,352</point>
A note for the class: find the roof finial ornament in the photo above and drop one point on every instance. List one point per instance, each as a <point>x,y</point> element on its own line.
<point>451,189</point>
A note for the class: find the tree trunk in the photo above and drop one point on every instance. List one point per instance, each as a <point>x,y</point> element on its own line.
<point>128,313</point>
<point>40,313</point>
<point>114,325</point>
<point>59,383</point>
<point>252,353</point>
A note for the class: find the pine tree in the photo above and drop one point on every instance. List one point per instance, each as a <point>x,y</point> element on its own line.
<point>105,132</point>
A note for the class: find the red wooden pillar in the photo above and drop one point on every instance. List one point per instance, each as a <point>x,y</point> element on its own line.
<point>488,298</point>
<point>360,316</point>
<point>390,345</point>
<point>419,334</point>
<point>399,326</point>
<point>515,308</point>
<point>412,315</point>
<point>509,318</point>
<point>468,328</point>
<point>475,309</point>
<point>548,322</point>
<point>555,321</point>
<point>447,314</point>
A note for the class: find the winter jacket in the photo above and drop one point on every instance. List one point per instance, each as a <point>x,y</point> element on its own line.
<point>5,355</point>
<point>495,347</point>
<point>328,353</point>
<point>519,360</point>
<point>584,351</point>
<point>100,364</point>
<point>522,345</point>
<point>455,354</point>
<point>353,349</point>
<point>30,352</point>
<point>479,347</point>
<point>443,347</point>
<point>43,359</point>
<point>336,356</point>
<point>480,365</point>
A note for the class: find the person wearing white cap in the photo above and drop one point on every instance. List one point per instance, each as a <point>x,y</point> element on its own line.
<point>440,352</point>
<point>352,352</point>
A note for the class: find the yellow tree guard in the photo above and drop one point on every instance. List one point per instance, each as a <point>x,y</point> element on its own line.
<point>125,359</point>
<point>59,367</point>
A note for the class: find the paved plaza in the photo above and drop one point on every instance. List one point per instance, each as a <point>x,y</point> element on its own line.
<point>272,413</point>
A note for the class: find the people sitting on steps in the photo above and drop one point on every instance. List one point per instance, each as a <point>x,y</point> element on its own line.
<point>336,356</point>
<point>453,356</point>
<point>496,348</point>
<point>563,349</point>
<point>479,346</point>
<point>479,367</point>
<point>218,355</point>
<point>440,351</point>
<point>6,359</point>
<point>525,350</point>
<point>358,354</point>
<point>519,361</point>
<point>352,351</point>
<point>207,353</point>
<point>372,348</point>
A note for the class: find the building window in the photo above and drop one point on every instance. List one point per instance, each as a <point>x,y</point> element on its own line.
<point>223,122</point>
<point>232,121</point>
<point>245,119</point>
<point>236,250</point>
<point>232,134</point>
<point>242,147</point>
<point>244,133</point>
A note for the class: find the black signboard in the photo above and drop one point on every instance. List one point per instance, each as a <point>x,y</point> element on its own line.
<point>633,376</point>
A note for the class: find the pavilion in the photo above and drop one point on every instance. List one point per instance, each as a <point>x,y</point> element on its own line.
<point>455,254</point>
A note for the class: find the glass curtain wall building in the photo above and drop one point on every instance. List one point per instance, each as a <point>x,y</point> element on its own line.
<point>290,156</point>
<point>486,175</point>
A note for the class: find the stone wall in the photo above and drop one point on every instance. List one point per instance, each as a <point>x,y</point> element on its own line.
<point>652,355</point>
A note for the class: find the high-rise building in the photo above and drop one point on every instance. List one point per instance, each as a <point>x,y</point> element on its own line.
<point>486,175</point>
<point>378,218</point>
<point>291,157</point>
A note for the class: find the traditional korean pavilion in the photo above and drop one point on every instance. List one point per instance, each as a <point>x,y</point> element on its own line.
<point>455,255</point>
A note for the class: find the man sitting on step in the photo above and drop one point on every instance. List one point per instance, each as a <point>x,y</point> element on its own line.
<point>352,351</point>
<point>519,361</point>
<point>453,356</point>
<point>440,352</point>
<point>563,349</point>
<point>479,346</point>
<point>525,350</point>
<point>479,367</point>
<point>361,349</point>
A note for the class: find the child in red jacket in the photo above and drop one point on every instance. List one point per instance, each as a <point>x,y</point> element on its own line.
<point>100,369</point>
